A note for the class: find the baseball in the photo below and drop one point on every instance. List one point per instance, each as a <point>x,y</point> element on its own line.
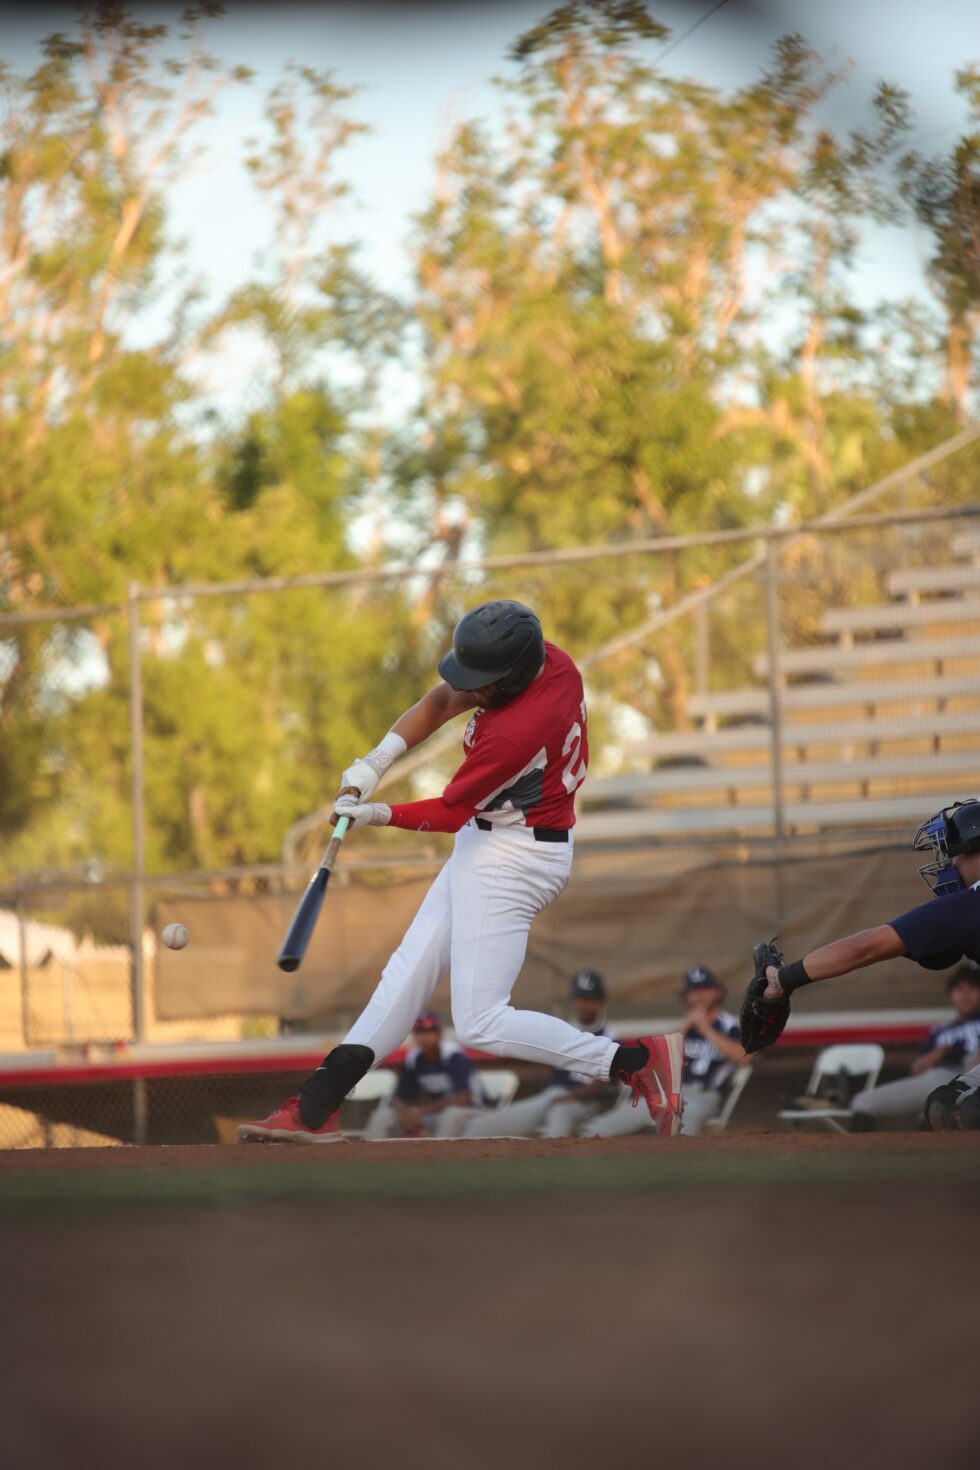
<point>175,936</point>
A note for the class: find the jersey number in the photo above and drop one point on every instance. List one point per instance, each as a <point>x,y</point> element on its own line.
<point>573,775</point>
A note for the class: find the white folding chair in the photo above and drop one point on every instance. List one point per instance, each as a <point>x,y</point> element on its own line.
<point>498,1085</point>
<point>862,1063</point>
<point>736,1087</point>
<point>376,1087</point>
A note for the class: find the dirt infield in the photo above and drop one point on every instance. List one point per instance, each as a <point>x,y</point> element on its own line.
<point>767,1300</point>
<point>345,1152</point>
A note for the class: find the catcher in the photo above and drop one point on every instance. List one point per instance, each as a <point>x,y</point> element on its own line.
<point>937,935</point>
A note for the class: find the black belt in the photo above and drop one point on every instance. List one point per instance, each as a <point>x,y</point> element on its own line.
<point>541,834</point>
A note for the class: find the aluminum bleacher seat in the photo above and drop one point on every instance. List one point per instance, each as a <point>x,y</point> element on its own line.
<point>913,580</point>
<point>758,737</point>
<point>795,773</point>
<point>882,726</point>
<point>835,696</point>
<point>837,660</point>
<point>891,616</point>
<point>642,823</point>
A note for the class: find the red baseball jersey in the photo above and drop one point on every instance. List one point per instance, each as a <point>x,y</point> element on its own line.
<point>523,762</point>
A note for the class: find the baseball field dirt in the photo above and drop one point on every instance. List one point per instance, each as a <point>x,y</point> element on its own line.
<point>764,1300</point>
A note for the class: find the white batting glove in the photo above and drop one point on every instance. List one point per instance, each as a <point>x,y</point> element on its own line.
<point>367,770</point>
<point>360,813</point>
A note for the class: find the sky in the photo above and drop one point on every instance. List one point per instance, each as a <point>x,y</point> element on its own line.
<point>424,67</point>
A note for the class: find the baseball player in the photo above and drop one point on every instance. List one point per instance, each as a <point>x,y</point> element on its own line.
<point>942,1056</point>
<point>712,1051</point>
<point>438,1088</point>
<point>936,935</point>
<point>569,1098</point>
<point>511,805</point>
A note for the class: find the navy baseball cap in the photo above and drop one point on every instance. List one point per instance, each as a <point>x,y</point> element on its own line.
<point>427,1021</point>
<point>588,985</point>
<point>699,977</point>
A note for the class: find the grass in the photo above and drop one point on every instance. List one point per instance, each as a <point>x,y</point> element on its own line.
<point>157,1188</point>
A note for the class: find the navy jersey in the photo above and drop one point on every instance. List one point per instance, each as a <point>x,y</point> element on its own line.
<point>703,1062</point>
<point>561,1077</point>
<point>426,1079</point>
<point>961,1037</point>
<point>939,934</point>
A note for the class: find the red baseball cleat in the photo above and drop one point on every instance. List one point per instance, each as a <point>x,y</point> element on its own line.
<point>659,1082</point>
<point>286,1126</point>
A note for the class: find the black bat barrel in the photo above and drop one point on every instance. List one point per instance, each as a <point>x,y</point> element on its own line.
<point>304,922</point>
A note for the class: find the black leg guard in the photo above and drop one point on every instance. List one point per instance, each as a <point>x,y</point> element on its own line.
<point>325,1089</point>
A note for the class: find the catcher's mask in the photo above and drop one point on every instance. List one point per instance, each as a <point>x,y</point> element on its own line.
<point>950,833</point>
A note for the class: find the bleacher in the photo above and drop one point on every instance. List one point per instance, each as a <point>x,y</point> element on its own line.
<point>879,720</point>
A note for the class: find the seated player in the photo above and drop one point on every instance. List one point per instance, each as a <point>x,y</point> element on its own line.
<point>438,1088</point>
<point>948,1050</point>
<point>569,1098</point>
<point>712,1051</point>
<point>936,935</point>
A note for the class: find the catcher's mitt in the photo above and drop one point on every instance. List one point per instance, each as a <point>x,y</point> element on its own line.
<point>761,1022</point>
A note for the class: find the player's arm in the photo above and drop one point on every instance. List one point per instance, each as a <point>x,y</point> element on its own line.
<point>423,719</point>
<point>487,770</point>
<point>766,1003</point>
<point>729,1048</point>
<point>934,1057</point>
<point>433,710</point>
<point>840,957</point>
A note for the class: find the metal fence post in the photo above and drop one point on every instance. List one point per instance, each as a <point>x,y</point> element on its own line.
<point>774,643</point>
<point>702,648</point>
<point>137,902</point>
<point>25,977</point>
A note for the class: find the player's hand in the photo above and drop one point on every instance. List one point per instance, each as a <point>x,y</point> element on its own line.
<point>367,770</point>
<point>360,813</point>
<point>363,776</point>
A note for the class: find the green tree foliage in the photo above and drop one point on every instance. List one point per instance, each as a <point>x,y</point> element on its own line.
<point>945,195</point>
<point>600,289</point>
<point>249,707</point>
<point>633,315</point>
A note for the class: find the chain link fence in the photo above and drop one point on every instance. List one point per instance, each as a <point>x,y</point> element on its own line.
<point>756,700</point>
<point>207,1108</point>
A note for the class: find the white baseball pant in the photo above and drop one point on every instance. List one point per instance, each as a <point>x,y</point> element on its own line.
<point>699,1105</point>
<point>544,1112</point>
<point>383,1122</point>
<point>474,922</point>
<point>902,1100</point>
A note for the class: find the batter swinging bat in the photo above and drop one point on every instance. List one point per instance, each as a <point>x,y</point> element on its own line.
<point>308,909</point>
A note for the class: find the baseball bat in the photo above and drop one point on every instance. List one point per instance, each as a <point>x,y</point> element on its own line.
<point>308,909</point>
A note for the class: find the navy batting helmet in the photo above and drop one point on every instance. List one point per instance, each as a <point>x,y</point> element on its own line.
<point>496,643</point>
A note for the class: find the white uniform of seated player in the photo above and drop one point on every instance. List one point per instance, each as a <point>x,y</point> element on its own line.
<point>438,1088</point>
<point>948,1051</point>
<point>712,1051</point>
<point>569,1098</point>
